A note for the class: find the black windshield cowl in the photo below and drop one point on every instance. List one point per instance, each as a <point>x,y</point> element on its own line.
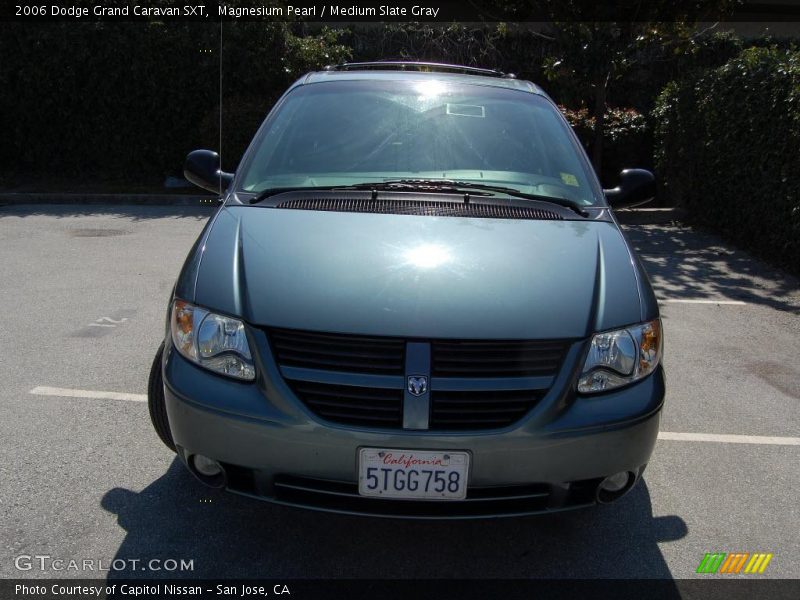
<point>481,187</point>
<point>431,186</point>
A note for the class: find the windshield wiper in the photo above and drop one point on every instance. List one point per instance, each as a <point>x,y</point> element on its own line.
<point>443,186</point>
<point>431,186</point>
<point>471,185</point>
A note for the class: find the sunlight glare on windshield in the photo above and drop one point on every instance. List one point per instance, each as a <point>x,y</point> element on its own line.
<point>428,90</point>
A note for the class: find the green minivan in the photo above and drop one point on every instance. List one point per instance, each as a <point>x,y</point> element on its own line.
<point>414,301</point>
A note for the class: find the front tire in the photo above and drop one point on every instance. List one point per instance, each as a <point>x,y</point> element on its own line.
<point>155,401</point>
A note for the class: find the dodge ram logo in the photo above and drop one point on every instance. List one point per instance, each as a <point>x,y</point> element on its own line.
<point>417,385</point>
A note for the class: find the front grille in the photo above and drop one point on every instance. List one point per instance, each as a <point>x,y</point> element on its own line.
<point>357,380</point>
<point>332,352</point>
<point>496,358</point>
<point>434,208</point>
<point>349,404</point>
<point>480,410</point>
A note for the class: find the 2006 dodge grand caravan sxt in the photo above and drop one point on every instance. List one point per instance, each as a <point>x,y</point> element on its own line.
<point>414,301</point>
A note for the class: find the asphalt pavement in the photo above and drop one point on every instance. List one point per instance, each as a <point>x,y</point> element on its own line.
<point>84,292</point>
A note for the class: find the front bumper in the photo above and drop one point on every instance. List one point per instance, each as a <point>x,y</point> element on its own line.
<point>273,448</point>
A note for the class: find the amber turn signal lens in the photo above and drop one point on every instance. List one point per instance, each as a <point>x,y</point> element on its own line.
<point>649,346</point>
<point>183,317</point>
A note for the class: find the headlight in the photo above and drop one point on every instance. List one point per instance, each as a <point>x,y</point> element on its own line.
<point>620,357</point>
<point>212,341</point>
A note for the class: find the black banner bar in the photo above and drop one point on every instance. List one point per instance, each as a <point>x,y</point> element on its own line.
<point>441,11</point>
<point>731,588</point>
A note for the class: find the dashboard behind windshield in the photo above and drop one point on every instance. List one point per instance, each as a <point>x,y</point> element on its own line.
<point>347,132</point>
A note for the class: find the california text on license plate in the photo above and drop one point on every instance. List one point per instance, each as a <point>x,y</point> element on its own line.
<point>412,474</point>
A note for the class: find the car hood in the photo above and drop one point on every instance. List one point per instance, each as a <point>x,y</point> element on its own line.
<point>418,276</point>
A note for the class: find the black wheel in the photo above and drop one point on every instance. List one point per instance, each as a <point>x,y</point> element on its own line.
<point>155,401</point>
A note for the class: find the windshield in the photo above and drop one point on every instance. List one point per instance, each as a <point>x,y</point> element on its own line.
<point>348,132</point>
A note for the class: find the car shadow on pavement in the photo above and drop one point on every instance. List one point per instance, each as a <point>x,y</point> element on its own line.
<point>685,264</point>
<point>228,536</point>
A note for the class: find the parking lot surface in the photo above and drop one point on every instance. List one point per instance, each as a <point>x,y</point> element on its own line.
<point>85,291</point>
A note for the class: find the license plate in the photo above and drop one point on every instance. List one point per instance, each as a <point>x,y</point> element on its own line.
<point>412,474</point>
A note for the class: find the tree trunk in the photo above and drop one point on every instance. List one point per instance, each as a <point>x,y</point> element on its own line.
<point>600,94</point>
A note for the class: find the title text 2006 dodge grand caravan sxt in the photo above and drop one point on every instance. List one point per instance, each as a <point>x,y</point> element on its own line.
<point>414,302</point>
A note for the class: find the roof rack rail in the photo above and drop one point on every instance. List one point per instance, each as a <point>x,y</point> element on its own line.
<point>413,65</point>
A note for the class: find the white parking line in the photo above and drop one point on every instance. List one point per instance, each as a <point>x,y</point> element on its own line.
<point>702,301</point>
<point>725,438</point>
<point>70,393</point>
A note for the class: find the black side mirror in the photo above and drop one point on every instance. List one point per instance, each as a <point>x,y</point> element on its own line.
<point>202,168</point>
<point>636,186</point>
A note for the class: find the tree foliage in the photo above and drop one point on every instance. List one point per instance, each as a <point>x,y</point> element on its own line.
<point>589,58</point>
<point>728,149</point>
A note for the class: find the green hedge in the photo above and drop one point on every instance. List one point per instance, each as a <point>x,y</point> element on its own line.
<point>728,150</point>
<point>77,104</point>
<point>127,101</point>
